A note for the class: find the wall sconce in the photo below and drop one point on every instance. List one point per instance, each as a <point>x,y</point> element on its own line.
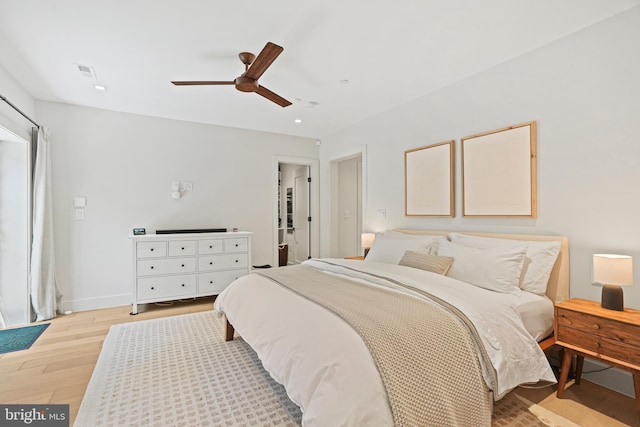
<point>613,271</point>
<point>366,240</point>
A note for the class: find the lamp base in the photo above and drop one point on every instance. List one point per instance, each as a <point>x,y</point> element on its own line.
<point>366,251</point>
<point>612,297</point>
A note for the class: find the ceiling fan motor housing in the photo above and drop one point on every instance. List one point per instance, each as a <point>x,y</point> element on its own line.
<point>246,84</point>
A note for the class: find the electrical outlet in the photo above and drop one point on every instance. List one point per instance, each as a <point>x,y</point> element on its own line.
<point>80,214</point>
<point>187,186</point>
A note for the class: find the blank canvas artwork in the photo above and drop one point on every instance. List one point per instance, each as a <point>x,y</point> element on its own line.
<point>429,180</point>
<point>499,173</point>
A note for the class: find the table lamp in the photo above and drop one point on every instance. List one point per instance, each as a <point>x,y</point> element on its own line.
<point>612,271</point>
<point>366,240</point>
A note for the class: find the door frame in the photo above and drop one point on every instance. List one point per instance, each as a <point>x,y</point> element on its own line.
<point>314,201</point>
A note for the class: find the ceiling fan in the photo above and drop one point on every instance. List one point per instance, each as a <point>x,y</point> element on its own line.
<point>254,68</point>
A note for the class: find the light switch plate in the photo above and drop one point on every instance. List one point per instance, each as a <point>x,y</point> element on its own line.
<point>79,202</point>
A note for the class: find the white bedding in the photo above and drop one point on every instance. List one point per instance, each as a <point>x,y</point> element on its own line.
<point>536,312</point>
<point>325,366</point>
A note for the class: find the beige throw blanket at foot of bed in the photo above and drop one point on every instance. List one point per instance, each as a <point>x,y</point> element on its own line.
<point>426,357</point>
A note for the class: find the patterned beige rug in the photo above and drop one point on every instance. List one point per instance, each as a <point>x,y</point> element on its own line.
<point>178,371</point>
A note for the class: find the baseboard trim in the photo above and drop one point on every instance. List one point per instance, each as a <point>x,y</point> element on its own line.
<point>615,379</point>
<point>97,303</point>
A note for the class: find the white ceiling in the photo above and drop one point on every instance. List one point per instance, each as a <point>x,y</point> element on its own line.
<point>391,52</point>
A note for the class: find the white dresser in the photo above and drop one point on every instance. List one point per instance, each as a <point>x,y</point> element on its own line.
<point>176,266</point>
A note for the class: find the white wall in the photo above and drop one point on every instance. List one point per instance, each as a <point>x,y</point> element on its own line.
<point>124,165</point>
<point>18,96</point>
<point>584,93</point>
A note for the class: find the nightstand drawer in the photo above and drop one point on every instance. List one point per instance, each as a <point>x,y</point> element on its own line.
<point>614,330</point>
<point>599,345</point>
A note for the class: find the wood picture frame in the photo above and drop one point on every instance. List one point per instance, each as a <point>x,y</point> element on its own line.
<point>499,173</point>
<point>429,181</point>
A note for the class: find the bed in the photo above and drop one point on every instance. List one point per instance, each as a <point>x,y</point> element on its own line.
<point>391,340</point>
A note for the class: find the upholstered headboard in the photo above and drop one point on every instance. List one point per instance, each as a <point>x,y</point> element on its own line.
<point>558,286</point>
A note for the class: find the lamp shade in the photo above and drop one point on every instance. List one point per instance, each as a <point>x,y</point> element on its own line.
<point>613,269</point>
<point>366,240</point>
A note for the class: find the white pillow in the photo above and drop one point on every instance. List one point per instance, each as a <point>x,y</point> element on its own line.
<point>391,249</point>
<point>496,269</point>
<point>539,258</point>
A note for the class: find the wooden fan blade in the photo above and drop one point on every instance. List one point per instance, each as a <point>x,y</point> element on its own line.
<point>263,91</point>
<point>268,54</point>
<point>199,83</point>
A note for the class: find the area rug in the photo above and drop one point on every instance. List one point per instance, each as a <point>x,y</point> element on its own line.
<point>179,371</point>
<point>16,339</point>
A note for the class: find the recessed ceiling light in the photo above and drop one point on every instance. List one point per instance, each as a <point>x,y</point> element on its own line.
<point>100,87</point>
<point>298,120</point>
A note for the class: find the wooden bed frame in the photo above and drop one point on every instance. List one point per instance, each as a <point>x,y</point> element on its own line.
<point>557,289</point>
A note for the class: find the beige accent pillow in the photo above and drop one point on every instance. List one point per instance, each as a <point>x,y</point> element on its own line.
<point>423,261</point>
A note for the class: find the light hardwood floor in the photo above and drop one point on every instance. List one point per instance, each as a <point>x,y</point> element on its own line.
<point>57,369</point>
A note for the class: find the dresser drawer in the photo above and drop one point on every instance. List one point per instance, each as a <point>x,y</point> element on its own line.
<point>151,249</point>
<point>208,247</point>
<point>235,245</point>
<point>219,262</point>
<point>166,266</point>
<point>166,286</point>
<point>216,281</point>
<point>182,248</point>
<point>614,330</point>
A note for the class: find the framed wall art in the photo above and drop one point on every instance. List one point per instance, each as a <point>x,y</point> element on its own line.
<point>429,180</point>
<point>499,173</point>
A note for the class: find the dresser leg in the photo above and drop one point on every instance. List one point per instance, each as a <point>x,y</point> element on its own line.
<point>564,372</point>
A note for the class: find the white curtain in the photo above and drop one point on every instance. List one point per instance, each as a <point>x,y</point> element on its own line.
<point>46,297</point>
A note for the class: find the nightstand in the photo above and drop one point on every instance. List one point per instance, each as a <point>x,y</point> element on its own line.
<point>585,329</point>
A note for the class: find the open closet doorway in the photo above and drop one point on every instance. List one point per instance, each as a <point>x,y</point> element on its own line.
<point>15,229</point>
<point>296,211</point>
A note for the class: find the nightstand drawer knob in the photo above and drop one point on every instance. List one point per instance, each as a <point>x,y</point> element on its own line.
<point>597,345</point>
<point>596,326</point>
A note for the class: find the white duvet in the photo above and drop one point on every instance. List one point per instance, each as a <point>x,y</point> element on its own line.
<point>325,366</point>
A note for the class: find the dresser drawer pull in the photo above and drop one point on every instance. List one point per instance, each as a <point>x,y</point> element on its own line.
<point>152,288</point>
<point>151,267</point>
<point>210,246</point>
<point>182,249</point>
<point>182,265</point>
<point>183,285</point>
<point>211,281</point>
<point>237,261</point>
<point>597,345</point>
<point>596,326</point>
<point>210,262</point>
<point>236,245</point>
<point>151,249</point>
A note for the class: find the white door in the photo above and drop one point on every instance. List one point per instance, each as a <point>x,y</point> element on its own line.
<point>349,207</point>
<point>301,214</point>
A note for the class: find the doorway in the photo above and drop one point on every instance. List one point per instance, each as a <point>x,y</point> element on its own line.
<point>296,218</point>
<point>15,229</point>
